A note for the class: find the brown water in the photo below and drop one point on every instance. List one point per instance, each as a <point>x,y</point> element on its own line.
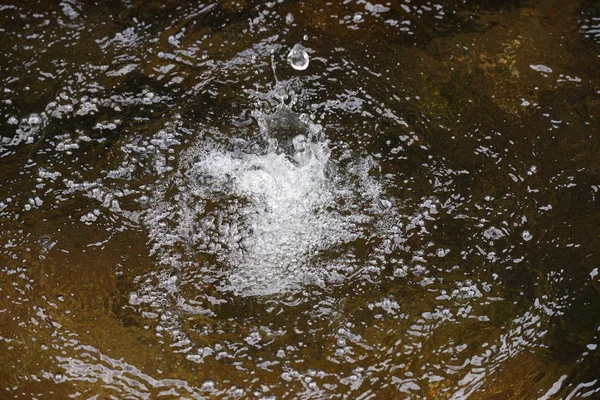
<point>414,215</point>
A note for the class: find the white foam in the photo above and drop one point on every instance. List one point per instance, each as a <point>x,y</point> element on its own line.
<point>284,221</point>
<point>268,220</point>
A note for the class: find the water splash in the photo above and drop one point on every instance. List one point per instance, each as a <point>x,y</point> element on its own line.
<point>265,209</point>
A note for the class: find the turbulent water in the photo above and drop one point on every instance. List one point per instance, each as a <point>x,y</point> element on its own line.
<point>265,213</point>
<point>297,199</point>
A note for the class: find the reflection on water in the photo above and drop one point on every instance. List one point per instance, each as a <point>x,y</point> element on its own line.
<point>299,200</point>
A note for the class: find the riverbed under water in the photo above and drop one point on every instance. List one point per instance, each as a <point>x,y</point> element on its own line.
<point>300,199</point>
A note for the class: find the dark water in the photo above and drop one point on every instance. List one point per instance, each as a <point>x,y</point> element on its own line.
<point>413,215</point>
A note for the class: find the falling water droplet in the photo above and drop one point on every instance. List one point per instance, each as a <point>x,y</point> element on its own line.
<point>527,236</point>
<point>298,57</point>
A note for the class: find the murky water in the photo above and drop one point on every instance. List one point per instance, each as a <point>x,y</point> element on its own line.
<point>300,200</point>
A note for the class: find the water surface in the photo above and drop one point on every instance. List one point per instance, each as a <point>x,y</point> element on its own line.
<point>296,199</point>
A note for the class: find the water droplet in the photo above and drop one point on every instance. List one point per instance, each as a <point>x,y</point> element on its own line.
<point>400,272</point>
<point>34,119</point>
<point>298,57</point>
<point>493,233</point>
<point>289,18</point>
<point>46,243</point>
<point>541,68</point>
<point>527,236</point>
<point>208,386</point>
